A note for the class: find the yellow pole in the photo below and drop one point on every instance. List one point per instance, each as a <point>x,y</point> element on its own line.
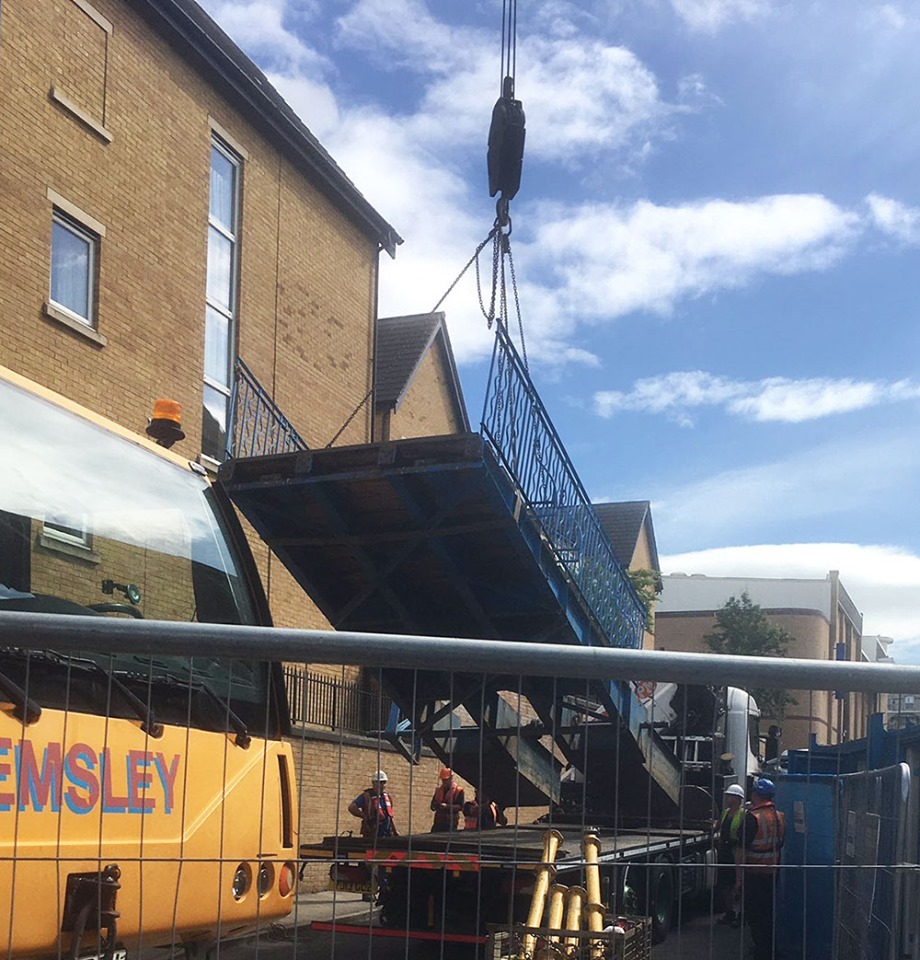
<point>551,841</point>
<point>596,913</point>
<point>591,847</point>
<point>557,894</point>
<point>574,901</point>
<point>546,947</point>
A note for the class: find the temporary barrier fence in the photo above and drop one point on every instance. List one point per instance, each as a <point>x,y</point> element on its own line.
<point>140,767</point>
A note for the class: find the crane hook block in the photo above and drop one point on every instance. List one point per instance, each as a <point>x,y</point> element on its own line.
<point>506,145</point>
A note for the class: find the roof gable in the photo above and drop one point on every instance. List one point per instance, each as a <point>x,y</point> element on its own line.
<point>623,523</point>
<point>402,343</point>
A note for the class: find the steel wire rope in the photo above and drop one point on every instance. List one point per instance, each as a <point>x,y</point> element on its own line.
<point>338,818</point>
<point>223,817</point>
<point>265,732</point>
<point>105,749</point>
<point>22,739</point>
<point>515,861</point>
<point>681,813</point>
<point>184,814</point>
<point>60,824</point>
<point>375,869</point>
<point>648,805</point>
<point>140,919</point>
<point>613,894</point>
<point>409,814</point>
<point>452,821</point>
<point>296,828</point>
<point>482,713</point>
<point>808,767</point>
<point>713,726</point>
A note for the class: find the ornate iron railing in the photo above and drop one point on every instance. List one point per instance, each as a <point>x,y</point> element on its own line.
<point>520,432</point>
<point>257,427</point>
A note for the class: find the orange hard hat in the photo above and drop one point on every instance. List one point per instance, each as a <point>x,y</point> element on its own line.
<point>446,773</point>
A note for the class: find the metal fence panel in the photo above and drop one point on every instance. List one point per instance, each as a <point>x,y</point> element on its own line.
<point>213,873</point>
<point>871,845</point>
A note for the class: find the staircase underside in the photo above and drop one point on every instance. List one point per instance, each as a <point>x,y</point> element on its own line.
<point>429,536</point>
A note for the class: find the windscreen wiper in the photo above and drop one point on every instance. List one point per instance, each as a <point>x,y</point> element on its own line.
<point>242,738</point>
<point>144,713</point>
<point>26,709</point>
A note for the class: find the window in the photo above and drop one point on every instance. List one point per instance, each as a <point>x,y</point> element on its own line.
<point>79,64</point>
<point>221,296</point>
<point>74,250</point>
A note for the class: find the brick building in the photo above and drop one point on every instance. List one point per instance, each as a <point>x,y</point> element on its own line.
<point>818,613</point>
<point>162,210</point>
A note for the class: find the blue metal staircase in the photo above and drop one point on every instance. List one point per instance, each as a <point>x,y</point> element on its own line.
<point>487,535</point>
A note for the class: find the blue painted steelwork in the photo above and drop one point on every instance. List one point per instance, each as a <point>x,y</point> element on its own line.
<point>519,430</point>
<point>257,427</point>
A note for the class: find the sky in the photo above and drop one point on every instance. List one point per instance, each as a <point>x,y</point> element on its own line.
<point>715,240</point>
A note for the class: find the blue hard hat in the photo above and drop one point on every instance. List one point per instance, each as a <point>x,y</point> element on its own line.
<point>764,787</point>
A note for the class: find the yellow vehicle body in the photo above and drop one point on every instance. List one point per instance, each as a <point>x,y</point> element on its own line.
<point>178,815</point>
<point>199,818</point>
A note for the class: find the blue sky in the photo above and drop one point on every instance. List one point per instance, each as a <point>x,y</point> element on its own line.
<point>716,242</point>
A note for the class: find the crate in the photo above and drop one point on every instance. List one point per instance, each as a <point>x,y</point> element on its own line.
<point>635,943</point>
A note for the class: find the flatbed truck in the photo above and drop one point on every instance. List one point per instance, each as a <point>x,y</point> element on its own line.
<point>451,886</point>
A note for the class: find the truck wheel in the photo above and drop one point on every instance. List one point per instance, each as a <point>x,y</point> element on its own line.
<point>658,899</point>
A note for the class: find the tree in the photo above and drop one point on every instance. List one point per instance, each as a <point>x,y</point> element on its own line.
<point>742,629</point>
<point>648,586</point>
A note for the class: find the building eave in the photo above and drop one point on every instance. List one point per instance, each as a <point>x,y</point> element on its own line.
<point>188,28</point>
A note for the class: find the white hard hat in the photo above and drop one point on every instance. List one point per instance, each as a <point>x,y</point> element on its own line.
<point>735,790</point>
<point>379,777</point>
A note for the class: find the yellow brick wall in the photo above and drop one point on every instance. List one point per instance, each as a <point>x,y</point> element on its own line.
<point>307,293</point>
<point>330,775</point>
<point>426,410</point>
<point>813,712</point>
<point>307,274</point>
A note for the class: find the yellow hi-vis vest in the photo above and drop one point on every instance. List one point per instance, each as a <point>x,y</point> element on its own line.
<point>736,821</point>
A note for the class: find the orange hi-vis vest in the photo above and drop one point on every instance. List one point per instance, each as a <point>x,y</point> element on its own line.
<point>762,856</point>
<point>471,821</point>
<point>447,817</point>
<point>375,812</point>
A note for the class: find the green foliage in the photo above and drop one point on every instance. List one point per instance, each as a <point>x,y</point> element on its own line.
<point>742,629</point>
<point>648,586</point>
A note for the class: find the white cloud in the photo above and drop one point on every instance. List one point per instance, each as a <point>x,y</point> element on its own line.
<point>882,581</point>
<point>583,95</point>
<point>707,16</point>
<point>815,486</point>
<point>611,260</point>
<point>891,16</point>
<point>770,399</point>
<point>404,34</point>
<point>580,94</point>
<point>895,218</point>
<point>260,27</point>
<point>589,105</point>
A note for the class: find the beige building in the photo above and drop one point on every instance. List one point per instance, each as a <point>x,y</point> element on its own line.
<point>820,616</point>
<point>163,211</point>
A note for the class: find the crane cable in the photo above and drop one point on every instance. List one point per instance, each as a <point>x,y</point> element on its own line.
<point>506,133</point>
<point>504,158</point>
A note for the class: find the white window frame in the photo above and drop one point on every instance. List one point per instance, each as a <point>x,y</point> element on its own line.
<point>232,236</point>
<point>70,223</point>
<point>69,535</point>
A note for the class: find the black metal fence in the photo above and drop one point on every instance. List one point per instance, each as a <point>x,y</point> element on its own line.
<point>319,700</point>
